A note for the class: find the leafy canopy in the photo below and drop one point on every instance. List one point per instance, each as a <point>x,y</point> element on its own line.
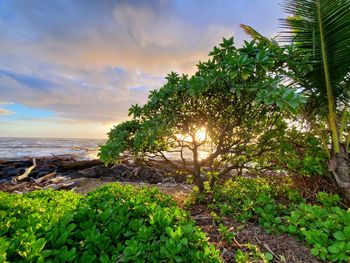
<point>238,96</point>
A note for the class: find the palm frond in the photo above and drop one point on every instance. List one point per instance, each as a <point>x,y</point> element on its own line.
<point>303,28</point>
<point>257,36</point>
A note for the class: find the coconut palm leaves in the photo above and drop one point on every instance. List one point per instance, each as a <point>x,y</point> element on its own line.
<point>321,29</point>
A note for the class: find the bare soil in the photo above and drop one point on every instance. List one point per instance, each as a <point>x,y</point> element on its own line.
<point>284,248</point>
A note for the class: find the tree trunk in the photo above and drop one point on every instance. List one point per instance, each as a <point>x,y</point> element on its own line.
<point>338,166</point>
<point>198,180</point>
<point>197,170</point>
<point>213,181</point>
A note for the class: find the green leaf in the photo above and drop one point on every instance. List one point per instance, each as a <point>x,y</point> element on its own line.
<point>280,103</point>
<point>245,74</point>
<point>339,236</point>
<point>268,256</point>
<point>178,258</point>
<point>314,251</point>
<point>334,249</point>
<point>39,245</point>
<point>347,232</point>
<point>104,258</point>
<point>293,104</point>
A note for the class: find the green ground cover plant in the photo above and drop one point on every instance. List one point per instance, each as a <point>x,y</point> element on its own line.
<point>323,225</point>
<point>112,224</point>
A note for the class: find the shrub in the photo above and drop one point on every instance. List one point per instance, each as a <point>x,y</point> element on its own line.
<point>113,223</point>
<point>325,226</point>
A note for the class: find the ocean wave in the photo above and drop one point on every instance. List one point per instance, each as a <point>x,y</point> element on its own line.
<point>35,147</point>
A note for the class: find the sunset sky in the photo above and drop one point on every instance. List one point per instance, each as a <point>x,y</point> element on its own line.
<point>73,68</point>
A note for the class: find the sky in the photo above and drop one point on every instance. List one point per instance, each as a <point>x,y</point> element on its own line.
<point>72,69</point>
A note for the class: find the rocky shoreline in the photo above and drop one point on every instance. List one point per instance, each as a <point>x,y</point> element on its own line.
<point>65,172</point>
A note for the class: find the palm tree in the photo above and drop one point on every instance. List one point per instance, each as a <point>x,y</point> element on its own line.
<point>320,29</point>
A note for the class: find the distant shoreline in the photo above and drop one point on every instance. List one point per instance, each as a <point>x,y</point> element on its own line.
<point>53,138</point>
<point>29,147</point>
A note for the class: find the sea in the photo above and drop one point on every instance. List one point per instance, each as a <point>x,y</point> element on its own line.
<point>82,149</point>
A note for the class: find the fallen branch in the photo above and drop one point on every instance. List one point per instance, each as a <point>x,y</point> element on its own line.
<point>269,249</point>
<point>46,177</point>
<point>58,179</point>
<point>18,186</point>
<point>52,186</point>
<point>59,186</point>
<point>27,172</point>
<point>281,258</point>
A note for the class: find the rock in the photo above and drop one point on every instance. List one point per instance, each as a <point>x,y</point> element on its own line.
<point>149,174</point>
<point>180,178</point>
<point>21,170</point>
<point>168,180</point>
<point>40,171</point>
<point>93,172</point>
<point>74,165</point>
<point>10,171</point>
<point>134,173</point>
<point>22,164</point>
<point>122,171</point>
<point>74,175</point>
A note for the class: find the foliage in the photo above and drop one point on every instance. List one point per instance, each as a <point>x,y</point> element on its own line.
<point>226,234</point>
<point>113,223</point>
<point>25,220</point>
<point>324,226</point>
<point>252,253</point>
<point>298,152</point>
<point>319,29</point>
<point>237,97</point>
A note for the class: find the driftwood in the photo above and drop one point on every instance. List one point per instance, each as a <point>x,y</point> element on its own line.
<point>18,186</point>
<point>59,186</point>
<point>52,186</point>
<point>46,177</point>
<point>58,179</point>
<point>80,164</point>
<point>27,172</point>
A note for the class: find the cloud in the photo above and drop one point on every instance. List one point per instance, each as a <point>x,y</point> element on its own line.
<point>153,38</point>
<point>83,95</point>
<point>6,112</point>
<point>29,80</point>
<point>91,65</point>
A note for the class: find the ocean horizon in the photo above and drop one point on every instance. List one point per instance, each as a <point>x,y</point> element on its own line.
<point>20,147</point>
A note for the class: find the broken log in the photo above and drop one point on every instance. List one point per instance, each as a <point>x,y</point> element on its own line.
<point>58,179</point>
<point>27,172</point>
<point>51,186</point>
<point>18,186</point>
<point>80,164</point>
<point>60,186</point>
<point>46,177</point>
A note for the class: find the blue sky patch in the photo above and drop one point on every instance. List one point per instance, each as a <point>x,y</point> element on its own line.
<point>22,112</point>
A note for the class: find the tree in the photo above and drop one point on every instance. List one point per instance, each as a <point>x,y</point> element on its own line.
<point>319,29</point>
<point>235,100</point>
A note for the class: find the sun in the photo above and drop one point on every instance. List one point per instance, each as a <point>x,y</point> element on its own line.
<point>201,135</point>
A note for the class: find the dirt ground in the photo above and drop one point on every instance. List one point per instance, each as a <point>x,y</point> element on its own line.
<point>283,247</point>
